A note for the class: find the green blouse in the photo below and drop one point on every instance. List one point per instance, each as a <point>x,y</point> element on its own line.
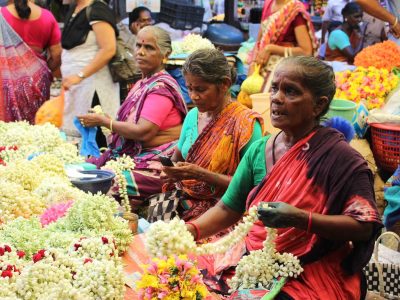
<point>251,170</point>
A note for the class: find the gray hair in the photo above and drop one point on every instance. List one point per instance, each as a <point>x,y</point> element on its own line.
<point>162,37</point>
<point>316,76</point>
<point>210,65</point>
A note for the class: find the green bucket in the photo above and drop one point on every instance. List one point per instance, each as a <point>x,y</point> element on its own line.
<point>342,108</point>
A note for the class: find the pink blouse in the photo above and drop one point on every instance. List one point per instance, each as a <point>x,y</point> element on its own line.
<point>160,111</point>
<point>40,33</point>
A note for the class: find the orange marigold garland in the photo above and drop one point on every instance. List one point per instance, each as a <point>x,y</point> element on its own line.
<point>384,55</point>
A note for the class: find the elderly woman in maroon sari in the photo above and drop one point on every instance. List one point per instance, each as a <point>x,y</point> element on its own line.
<point>318,189</point>
<point>150,119</point>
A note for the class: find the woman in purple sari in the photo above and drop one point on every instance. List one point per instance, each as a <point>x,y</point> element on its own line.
<point>149,121</point>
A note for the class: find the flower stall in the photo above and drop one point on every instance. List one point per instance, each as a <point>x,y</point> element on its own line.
<point>56,241</point>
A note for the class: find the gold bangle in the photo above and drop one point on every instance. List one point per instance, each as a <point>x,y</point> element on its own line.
<point>395,22</point>
<point>111,121</point>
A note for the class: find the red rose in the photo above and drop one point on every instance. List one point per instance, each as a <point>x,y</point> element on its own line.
<point>6,273</point>
<point>77,246</point>
<point>87,260</point>
<point>36,257</point>
<point>105,240</point>
<point>7,248</point>
<point>20,254</point>
<point>42,252</point>
<point>2,251</point>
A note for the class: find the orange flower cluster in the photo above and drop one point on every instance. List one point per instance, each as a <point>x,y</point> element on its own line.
<point>384,55</point>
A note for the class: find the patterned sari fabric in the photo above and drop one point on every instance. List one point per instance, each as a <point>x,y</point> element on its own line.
<point>275,25</point>
<point>144,180</point>
<point>321,174</point>
<point>217,149</point>
<point>25,78</point>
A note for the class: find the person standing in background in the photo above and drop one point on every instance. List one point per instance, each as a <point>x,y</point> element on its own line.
<point>89,43</point>
<point>375,30</point>
<point>391,15</point>
<point>32,51</point>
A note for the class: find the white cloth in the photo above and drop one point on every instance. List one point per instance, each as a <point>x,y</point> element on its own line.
<point>333,10</point>
<point>219,7</point>
<point>79,98</point>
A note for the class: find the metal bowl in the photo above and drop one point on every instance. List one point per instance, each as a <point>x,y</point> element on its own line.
<point>101,183</point>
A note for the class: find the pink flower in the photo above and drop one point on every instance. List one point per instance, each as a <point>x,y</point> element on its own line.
<point>87,260</point>
<point>162,295</point>
<point>153,268</point>
<point>54,212</point>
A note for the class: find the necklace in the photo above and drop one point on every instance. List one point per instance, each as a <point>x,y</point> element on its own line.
<point>285,144</point>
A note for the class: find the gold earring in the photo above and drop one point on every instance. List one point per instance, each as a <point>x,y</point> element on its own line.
<point>164,60</point>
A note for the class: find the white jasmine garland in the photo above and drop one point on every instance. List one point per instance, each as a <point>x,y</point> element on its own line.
<point>165,239</point>
<point>257,269</point>
<point>118,166</point>
<point>260,267</point>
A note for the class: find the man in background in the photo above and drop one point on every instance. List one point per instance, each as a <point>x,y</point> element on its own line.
<point>139,17</point>
<point>391,15</point>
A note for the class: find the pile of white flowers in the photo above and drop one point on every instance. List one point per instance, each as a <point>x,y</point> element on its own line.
<point>35,139</point>
<point>255,270</point>
<point>55,274</point>
<point>191,43</point>
<point>119,166</point>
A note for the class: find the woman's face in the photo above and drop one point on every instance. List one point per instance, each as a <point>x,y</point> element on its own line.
<point>292,104</point>
<point>206,96</point>
<point>354,19</point>
<point>148,55</point>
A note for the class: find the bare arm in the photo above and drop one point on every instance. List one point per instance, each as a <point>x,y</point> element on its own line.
<point>304,46</point>
<point>331,227</point>
<point>105,37</point>
<point>325,25</point>
<point>143,131</point>
<point>185,171</point>
<point>373,8</point>
<point>215,220</point>
<point>54,60</point>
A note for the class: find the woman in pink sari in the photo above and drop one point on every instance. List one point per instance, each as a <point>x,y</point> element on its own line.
<point>318,189</point>
<point>149,121</point>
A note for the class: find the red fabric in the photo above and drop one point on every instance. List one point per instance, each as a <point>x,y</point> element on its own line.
<point>40,33</point>
<point>322,174</point>
<point>161,111</point>
<point>290,36</point>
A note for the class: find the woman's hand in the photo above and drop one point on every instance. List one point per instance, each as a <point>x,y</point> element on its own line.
<point>263,56</point>
<point>182,171</point>
<point>282,215</point>
<point>71,80</point>
<point>395,30</point>
<point>93,120</point>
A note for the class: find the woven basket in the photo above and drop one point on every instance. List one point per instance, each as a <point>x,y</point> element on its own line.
<point>383,278</point>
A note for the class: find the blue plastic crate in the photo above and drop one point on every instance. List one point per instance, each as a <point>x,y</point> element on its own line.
<point>180,14</point>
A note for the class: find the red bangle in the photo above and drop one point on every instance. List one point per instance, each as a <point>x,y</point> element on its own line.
<point>196,228</point>
<point>309,222</point>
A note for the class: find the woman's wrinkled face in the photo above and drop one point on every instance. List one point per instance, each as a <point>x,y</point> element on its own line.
<point>206,96</point>
<point>292,104</point>
<point>148,55</point>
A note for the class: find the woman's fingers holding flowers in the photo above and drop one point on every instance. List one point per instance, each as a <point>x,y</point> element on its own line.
<point>281,215</point>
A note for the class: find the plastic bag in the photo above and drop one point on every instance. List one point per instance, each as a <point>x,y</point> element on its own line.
<point>51,111</point>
